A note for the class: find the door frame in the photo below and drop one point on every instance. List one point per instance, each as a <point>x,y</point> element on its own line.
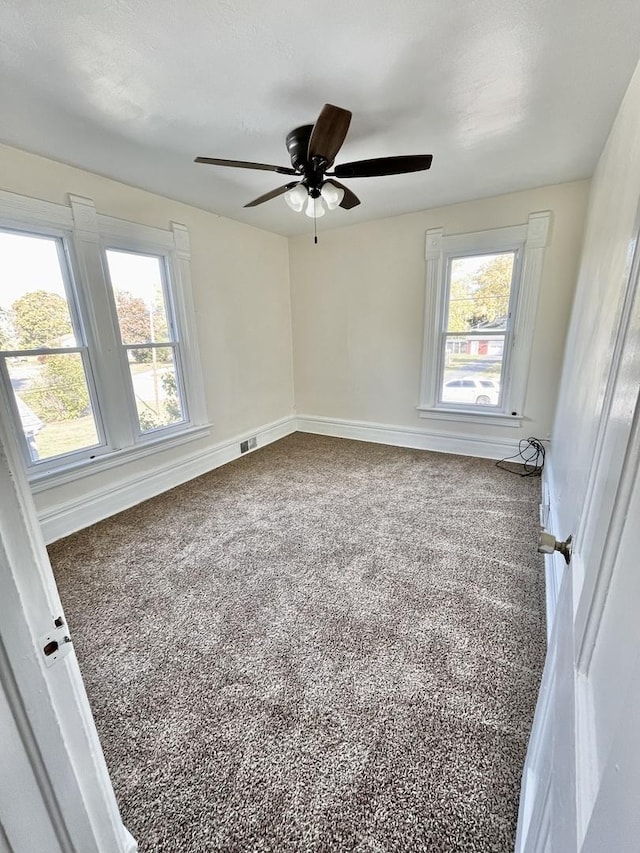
<point>581,599</point>
<point>46,695</point>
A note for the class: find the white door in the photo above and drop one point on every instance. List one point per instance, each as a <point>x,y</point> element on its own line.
<point>55,792</point>
<point>581,786</point>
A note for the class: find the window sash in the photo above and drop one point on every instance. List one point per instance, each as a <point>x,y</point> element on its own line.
<point>88,452</point>
<point>82,347</point>
<point>447,404</point>
<point>165,284</point>
<point>138,434</point>
<point>141,434</point>
<point>506,334</point>
<point>490,335</point>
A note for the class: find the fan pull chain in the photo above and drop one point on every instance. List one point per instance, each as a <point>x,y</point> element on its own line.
<point>315,224</point>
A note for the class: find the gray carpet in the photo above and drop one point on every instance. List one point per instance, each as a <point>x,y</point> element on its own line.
<point>324,646</point>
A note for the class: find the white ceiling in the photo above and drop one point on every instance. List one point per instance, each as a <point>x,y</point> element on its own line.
<point>505,95</point>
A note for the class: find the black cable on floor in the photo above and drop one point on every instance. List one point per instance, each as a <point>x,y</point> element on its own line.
<point>530,454</point>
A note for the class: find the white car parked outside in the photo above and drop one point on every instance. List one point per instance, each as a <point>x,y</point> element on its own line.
<point>477,391</point>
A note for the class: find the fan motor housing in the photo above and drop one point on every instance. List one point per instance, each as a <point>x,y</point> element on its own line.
<point>298,146</point>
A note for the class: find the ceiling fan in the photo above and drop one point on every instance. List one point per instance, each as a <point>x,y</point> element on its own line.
<point>313,149</point>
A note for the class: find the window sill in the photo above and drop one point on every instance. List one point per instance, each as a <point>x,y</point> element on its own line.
<point>472,417</point>
<point>46,479</point>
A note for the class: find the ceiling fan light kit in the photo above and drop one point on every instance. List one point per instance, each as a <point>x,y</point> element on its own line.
<point>296,197</point>
<point>312,149</point>
<point>314,209</point>
<point>331,195</point>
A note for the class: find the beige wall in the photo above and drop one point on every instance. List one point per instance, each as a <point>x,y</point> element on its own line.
<point>358,302</point>
<point>240,278</point>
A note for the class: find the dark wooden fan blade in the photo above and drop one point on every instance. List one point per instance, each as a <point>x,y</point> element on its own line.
<point>273,194</point>
<point>329,133</point>
<point>243,164</point>
<point>383,166</point>
<point>349,199</point>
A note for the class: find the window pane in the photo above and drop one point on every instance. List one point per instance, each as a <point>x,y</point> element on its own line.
<point>139,296</point>
<point>53,403</point>
<point>480,287</point>
<point>34,311</point>
<point>155,386</point>
<point>472,370</point>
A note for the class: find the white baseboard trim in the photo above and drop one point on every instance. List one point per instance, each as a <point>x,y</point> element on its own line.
<point>69,516</point>
<point>442,442</point>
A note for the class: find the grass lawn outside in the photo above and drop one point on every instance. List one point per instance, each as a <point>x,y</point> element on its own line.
<point>61,437</point>
<point>56,438</point>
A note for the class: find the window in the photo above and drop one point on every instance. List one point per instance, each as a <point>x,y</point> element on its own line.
<point>147,337</point>
<point>97,340</point>
<point>44,356</point>
<point>481,298</point>
<point>476,329</point>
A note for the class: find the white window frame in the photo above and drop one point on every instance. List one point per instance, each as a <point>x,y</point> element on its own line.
<point>507,334</point>
<point>132,247</point>
<point>528,241</point>
<point>82,347</point>
<point>85,236</point>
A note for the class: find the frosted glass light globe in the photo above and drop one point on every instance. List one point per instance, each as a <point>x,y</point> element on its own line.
<point>314,208</point>
<point>296,197</point>
<point>331,195</point>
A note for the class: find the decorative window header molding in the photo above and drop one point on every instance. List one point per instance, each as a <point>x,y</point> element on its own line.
<point>529,240</point>
<point>80,216</point>
<point>535,234</point>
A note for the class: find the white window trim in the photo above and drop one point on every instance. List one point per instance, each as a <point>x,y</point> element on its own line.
<point>43,479</point>
<point>83,343</point>
<point>85,234</point>
<point>530,240</point>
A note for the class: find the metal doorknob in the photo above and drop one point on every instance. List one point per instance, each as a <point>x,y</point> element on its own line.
<point>547,544</point>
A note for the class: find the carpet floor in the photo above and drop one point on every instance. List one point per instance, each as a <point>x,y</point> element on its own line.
<point>324,646</point>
